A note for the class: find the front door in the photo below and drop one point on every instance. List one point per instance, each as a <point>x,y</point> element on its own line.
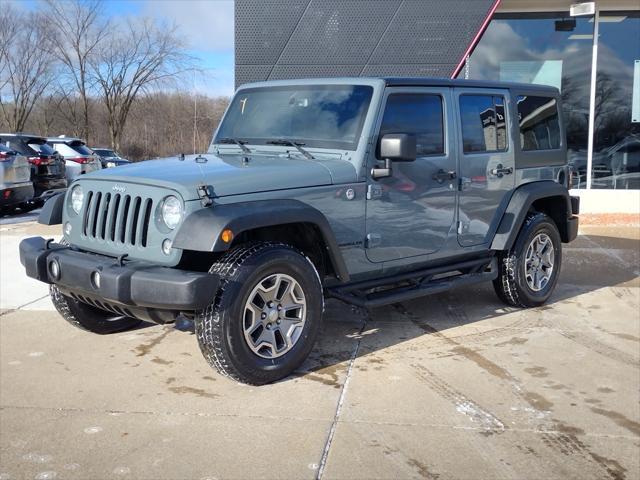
<point>412,212</point>
<point>486,165</point>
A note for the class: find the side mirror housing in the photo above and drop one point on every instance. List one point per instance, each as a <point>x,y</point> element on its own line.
<point>395,147</point>
<point>398,147</point>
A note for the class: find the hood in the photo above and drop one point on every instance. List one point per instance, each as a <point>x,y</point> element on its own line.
<point>229,175</point>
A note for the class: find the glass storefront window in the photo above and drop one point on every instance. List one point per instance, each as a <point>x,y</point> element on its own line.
<point>547,48</point>
<point>616,150</point>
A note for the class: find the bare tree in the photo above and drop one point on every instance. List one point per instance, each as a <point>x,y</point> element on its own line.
<point>79,30</point>
<point>138,57</point>
<point>27,67</point>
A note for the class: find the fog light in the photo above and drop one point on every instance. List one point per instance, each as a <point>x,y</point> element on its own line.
<point>67,229</point>
<point>95,280</point>
<point>166,246</point>
<point>54,269</point>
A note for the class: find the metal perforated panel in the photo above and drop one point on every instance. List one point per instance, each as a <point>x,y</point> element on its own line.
<point>430,31</point>
<point>338,32</point>
<point>311,71</point>
<point>263,28</point>
<point>277,39</point>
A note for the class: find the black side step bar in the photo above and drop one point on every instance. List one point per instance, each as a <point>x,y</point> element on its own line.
<point>406,286</point>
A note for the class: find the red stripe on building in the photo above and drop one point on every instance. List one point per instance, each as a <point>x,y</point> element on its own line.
<point>476,39</point>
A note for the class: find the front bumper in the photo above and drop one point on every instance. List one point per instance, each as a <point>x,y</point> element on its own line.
<point>16,194</point>
<point>134,284</point>
<point>573,221</point>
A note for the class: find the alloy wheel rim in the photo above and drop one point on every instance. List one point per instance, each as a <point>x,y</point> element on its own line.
<point>539,262</point>
<point>274,315</point>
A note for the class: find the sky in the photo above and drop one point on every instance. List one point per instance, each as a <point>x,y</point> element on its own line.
<point>207,25</point>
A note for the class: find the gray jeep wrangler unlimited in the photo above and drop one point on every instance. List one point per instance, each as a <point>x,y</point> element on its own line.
<point>369,190</point>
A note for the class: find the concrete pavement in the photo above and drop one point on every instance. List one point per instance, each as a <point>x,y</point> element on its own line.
<point>449,386</point>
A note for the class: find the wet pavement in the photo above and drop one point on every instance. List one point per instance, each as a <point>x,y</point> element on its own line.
<point>449,386</point>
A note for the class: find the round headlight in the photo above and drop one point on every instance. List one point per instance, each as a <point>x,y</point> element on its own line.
<point>171,212</point>
<point>77,198</point>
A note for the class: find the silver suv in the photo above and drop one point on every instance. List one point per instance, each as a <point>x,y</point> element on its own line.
<point>15,180</point>
<point>79,159</point>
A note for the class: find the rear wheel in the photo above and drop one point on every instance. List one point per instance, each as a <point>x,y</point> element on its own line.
<point>88,317</point>
<point>264,319</point>
<point>528,272</point>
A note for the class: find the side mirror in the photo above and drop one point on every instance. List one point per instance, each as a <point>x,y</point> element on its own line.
<point>395,147</point>
<point>398,147</point>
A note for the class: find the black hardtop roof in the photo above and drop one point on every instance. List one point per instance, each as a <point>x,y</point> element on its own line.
<point>446,82</point>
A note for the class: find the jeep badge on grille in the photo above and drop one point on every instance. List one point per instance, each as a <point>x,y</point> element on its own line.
<point>119,188</point>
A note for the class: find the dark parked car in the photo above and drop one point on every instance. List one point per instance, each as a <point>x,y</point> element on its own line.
<point>15,180</point>
<point>109,158</point>
<point>47,167</point>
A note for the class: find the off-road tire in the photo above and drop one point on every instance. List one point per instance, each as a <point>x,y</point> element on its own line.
<point>219,326</point>
<point>87,317</point>
<point>511,285</point>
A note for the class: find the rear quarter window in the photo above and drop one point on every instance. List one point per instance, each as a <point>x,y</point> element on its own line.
<point>539,123</point>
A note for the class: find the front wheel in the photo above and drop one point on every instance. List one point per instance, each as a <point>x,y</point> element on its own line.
<point>528,272</point>
<point>262,322</point>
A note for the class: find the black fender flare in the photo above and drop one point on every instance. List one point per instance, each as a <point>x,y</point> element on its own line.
<point>519,205</point>
<point>202,229</point>
<point>51,213</point>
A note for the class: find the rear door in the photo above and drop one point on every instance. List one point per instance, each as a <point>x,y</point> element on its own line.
<point>486,162</point>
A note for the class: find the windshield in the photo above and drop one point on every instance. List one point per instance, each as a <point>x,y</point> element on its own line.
<point>324,116</point>
<point>103,152</point>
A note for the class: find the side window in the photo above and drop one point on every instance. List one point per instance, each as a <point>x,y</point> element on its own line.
<point>419,114</point>
<point>539,127</point>
<point>483,123</point>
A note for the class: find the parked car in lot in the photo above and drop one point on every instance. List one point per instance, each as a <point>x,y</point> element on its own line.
<point>79,158</point>
<point>15,180</point>
<point>109,157</point>
<point>372,191</point>
<point>47,167</point>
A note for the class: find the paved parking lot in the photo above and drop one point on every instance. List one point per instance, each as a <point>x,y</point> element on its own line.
<point>449,386</point>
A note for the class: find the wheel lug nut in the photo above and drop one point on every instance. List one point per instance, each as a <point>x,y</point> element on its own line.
<point>278,321</point>
<point>279,307</point>
<point>270,304</point>
<point>268,326</point>
<point>263,316</point>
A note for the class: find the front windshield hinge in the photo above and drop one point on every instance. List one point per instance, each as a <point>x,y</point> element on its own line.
<point>205,192</point>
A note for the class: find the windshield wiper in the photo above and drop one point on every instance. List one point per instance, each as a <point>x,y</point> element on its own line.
<point>236,141</point>
<point>292,143</point>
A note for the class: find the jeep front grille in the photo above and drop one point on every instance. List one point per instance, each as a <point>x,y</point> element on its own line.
<point>118,218</point>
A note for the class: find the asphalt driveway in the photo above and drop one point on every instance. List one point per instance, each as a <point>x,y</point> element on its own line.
<point>449,386</point>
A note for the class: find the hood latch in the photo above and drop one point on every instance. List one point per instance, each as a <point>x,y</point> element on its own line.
<point>205,192</point>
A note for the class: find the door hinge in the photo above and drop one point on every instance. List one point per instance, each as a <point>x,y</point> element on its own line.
<point>464,183</point>
<point>373,240</point>
<point>374,191</point>
<point>463,227</point>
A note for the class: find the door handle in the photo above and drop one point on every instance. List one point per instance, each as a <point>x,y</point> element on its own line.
<point>441,176</point>
<point>501,171</point>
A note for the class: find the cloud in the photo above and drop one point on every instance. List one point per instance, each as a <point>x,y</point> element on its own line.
<point>208,25</point>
